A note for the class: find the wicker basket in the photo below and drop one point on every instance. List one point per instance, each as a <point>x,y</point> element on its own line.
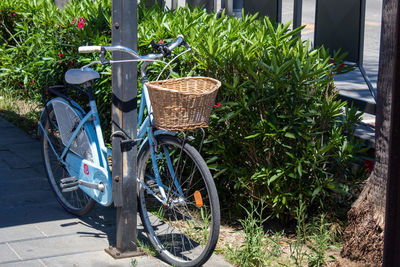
<point>182,104</point>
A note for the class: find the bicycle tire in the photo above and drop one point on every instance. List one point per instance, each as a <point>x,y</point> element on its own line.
<point>75,202</point>
<point>180,231</point>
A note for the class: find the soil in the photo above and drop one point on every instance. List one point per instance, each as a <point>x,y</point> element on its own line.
<point>233,237</point>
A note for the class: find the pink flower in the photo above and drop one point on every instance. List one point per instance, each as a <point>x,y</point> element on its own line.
<point>58,61</point>
<point>60,54</point>
<point>81,25</point>
<point>331,60</point>
<point>217,105</point>
<point>73,21</point>
<point>72,63</point>
<point>14,14</point>
<point>82,20</point>
<point>32,82</point>
<point>369,165</point>
<point>341,66</point>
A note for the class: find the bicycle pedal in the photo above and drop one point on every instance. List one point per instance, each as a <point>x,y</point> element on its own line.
<point>69,184</point>
<point>68,179</point>
<point>69,189</point>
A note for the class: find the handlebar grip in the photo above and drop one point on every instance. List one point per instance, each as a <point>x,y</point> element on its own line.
<point>89,49</point>
<point>176,43</point>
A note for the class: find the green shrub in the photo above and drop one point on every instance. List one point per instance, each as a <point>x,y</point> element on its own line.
<point>279,131</point>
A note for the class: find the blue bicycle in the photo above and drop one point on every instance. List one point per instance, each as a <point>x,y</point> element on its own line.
<point>177,199</point>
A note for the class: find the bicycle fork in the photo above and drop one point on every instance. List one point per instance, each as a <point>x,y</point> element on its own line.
<point>163,197</point>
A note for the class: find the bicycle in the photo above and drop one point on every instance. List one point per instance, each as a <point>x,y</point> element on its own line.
<point>177,198</point>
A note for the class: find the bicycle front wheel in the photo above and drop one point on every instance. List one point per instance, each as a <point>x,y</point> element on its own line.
<point>184,230</point>
<point>76,201</point>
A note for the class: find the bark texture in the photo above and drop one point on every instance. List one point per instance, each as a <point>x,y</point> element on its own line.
<point>363,238</point>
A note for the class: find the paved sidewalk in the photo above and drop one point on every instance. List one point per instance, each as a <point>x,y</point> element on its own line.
<point>34,228</point>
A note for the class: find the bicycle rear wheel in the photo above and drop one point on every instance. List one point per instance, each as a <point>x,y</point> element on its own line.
<point>185,229</point>
<point>76,202</point>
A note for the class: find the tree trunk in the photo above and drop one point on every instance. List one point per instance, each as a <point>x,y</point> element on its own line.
<point>363,238</point>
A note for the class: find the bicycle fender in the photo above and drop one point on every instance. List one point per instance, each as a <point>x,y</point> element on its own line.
<point>156,133</point>
<point>49,103</point>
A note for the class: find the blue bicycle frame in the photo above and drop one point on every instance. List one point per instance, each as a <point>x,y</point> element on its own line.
<point>99,171</point>
<point>94,178</point>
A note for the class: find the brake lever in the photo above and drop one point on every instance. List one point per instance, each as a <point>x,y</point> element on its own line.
<point>187,47</point>
<point>161,47</point>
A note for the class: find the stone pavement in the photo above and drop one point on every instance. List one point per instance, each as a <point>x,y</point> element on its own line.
<point>35,230</point>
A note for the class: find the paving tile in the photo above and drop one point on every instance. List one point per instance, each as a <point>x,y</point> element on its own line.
<point>5,124</point>
<point>29,263</point>
<point>100,258</point>
<point>6,254</point>
<point>59,246</point>
<point>80,227</point>
<point>17,233</point>
<point>13,161</point>
<point>29,152</point>
<point>14,136</point>
<point>3,165</point>
<point>25,184</point>
<point>40,212</point>
<point>217,261</point>
<point>23,197</point>
<point>19,174</point>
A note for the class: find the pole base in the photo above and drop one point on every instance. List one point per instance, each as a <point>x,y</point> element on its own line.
<point>116,254</point>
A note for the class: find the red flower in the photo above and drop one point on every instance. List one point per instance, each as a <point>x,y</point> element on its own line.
<point>81,25</point>
<point>58,61</point>
<point>341,66</point>
<point>217,105</point>
<point>369,165</point>
<point>32,82</point>
<point>60,54</point>
<point>82,20</point>
<point>331,60</point>
<point>73,21</point>
<point>14,14</point>
<point>72,63</point>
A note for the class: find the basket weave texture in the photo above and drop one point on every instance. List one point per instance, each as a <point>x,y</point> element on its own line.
<point>182,104</point>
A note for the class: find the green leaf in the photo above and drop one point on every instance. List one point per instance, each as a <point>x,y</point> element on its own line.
<point>290,135</point>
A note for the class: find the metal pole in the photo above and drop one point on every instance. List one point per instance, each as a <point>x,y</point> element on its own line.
<point>60,3</point>
<point>124,117</point>
<point>389,80</point>
<point>228,4</point>
<point>279,7</point>
<point>297,13</point>
<point>174,4</point>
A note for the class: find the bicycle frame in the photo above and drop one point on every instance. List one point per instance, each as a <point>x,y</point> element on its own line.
<point>144,133</point>
<point>97,171</point>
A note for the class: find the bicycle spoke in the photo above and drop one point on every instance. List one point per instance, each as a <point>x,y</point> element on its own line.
<point>186,230</point>
<point>76,201</point>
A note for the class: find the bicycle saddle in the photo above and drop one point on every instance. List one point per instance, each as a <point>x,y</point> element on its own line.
<point>79,76</point>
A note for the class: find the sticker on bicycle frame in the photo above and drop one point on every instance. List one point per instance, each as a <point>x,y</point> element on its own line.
<point>86,169</point>
<point>198,199</point>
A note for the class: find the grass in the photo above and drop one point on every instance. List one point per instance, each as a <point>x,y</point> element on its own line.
<point>24,114</point>
<point>314,242</point>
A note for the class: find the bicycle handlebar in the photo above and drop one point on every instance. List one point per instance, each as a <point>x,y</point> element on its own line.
<point>94,48</point>
<point>89,49</point>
